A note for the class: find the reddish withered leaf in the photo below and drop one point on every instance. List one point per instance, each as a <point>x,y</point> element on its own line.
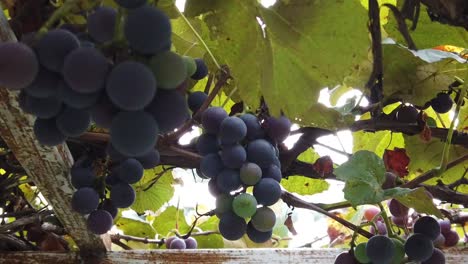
<point>396,161</point>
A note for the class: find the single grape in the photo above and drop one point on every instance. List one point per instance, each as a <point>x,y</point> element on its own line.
<point>85,70</point>
<point>223,203</point>
<point>196,100</point>
<point>451,238</point>
<point>400,221</point>
<point>169,69</point>
<point>445,226</point>
<point>233,156</point>
<point>437,257</point>
<point>399,251</point>
<point>213,188</point>
<point>130,3</point>
<point>267,191</point>
<point>99,222</point>
<point>177,243</point>
<point>232,130</point>
<point>250,174</point>
<point>397,209</point>
<point>244,205</point>
<point>439,241</point>
<point>73,122</point>
<point>133,133</point>
<point>18,66</point>
<point>44,85</point>
<point>168,241</point>
<point>201,71</point>
<point>345,258</point>
<point>419,247</point>
<point>228,180</point>
<point>44,107</point>
<point>427,226</point>
<point>278,128</point>
<point>254,129</point>
<point>103,112</point>
<point>258,236</point>
<point>442,103</point>
<point>85,200</point>
<point>207,143</point>
<point>82,176</point>
<point>211,165</point>
<point>231,226</point>
<point>150,160</point>
<point>191,243</point>
<point>380,249</point>
<point>381,228</point>
<point>54,47</point>
<point>122,195</point>
<point>390,180</point>
<point>169,109</point>
<point>407,114</point>
<point>47,133</point>
<point>109,207</point>
<point>131,86</point>
<point>101,24</point>
<point>130,171</point>
<point>148,30</point>
<point>360,253</point>
<point>75,99</point>
<point>190,65</point>
<point>212,118</point>
<point>261,152</point>
<point>264,219</point>
<point>371,212</point>
<point>273,172</point>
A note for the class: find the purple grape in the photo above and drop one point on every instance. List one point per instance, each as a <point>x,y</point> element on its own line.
<point>445,226</point>
<point>18,66</point>
<point>451,238</point>
<point>191,243</point>
<point>278,128</point>
<point>212,118</point>
<point>345,258</point>
<point>400,221</point>
<point>100,221</point>
<point>381,228</point>
<point>397,209</point>
<point>437,257</point>
<point>177,243</point>
<point>439,241</point>
<point>168,241</point>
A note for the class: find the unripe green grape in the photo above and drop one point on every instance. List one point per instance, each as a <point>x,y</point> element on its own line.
<point>190,65</point>
<point>399,251</point>
<point>250,174</point>
<point>169,69</point>
<point>360,253</point>
<point>264,219</point>
<point>244,205</point>
<point>223,203</point>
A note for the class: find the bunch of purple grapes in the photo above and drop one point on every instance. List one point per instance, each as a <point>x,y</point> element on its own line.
<point>68,83</point>
<point>180,243</point>
<point>241,152</point>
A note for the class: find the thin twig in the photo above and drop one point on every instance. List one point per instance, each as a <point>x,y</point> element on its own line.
<point>375,82</point>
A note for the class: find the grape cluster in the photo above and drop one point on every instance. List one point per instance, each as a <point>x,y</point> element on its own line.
<point>240,152</point>
<point>180,243</point>
<point>136,90</point>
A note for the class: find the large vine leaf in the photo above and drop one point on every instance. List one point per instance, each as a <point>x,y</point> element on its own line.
<point>213,240</point>
<point>377,142</point>
<point>133,225</point>
<point>169,220</point>
<point>151,196</point>
<point>419,200</point>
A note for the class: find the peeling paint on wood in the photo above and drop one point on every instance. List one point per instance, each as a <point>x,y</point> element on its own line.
<point>47,167</point>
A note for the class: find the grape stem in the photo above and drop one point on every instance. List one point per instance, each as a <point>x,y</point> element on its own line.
<point>62,11</point>
<point>386,221</point>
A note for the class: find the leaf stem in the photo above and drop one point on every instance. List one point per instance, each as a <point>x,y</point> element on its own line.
<point>57,15</point>
<point>387,222</point>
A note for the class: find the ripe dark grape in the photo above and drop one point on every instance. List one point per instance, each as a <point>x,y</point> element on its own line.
<point>109,207</point>
<point>202,70</point>
<point>131,86</point>
<point>211,165</point>
<point>232,130</point>
<point>213,188</point>
<point>101,24</point>
<point>278,128</point>
<point>244,205</point>
<point>73,122</point>
<point>196,100</point>
<point>44,85</point>
<point>381,228</point>
<point>397,209</point>
<point>85,200</point>
<point>254,129</point>
<point>223,203</point>
<point>437,257</point>
<point>273,172</point>
<point>122,195</point>
<point>419,247</point>
<point>150,160</point>
<point>18,66</point>
<point>345,258</point>
<point>439,241</point>
<point>100,221</point>
<point>360,253</point>
<point>427,226</point>
<point>250,173</point>
<point>133,133</point>
<point>442,103</point>
<point>112,179</point>
<point>231,226</point>
<point>47,133</point>
<point>103,112</point>
<point>380,249</point>
<point>85,70</point>
<point>445,226</point>
<point>212,118</point>
<point>82,176</point>
<point>169,69</point>
<point>233,156</point>
<point>264,219</point>
<point>407,114</point>
<point>207,143</point>
<point>390,180</point>
<point>191,243</point>
<point>54,47</point>
<point>258,236</point>
<point>130,171</point>
<point>177,243</point>
<point>261,152</point>
<point>44,107</point>
<point>148,30</point>
<point>130,3</point>
<point>115,155</point>
<point>267,191</point>
<point>451,238</point>
<point>75,99</point>
<point>228,180</point>
<point>169,109</point>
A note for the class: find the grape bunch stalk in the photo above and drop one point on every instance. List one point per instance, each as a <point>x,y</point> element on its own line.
<point>240,154</point>
<point>122,77</point>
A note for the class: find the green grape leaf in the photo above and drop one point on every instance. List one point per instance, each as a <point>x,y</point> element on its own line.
<point>133,225</point>
<point>397,191</point>
<point>151,196</point>
<point>213,240</point>
<point>378,141</point>
<point>169,220</point>
<point>420,201</point>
